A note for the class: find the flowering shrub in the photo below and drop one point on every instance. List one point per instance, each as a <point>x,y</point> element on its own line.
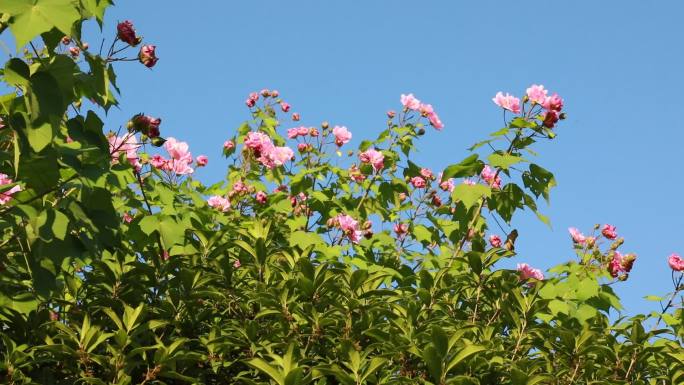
<point>331,265</point>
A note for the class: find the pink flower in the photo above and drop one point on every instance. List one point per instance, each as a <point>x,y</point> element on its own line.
<point>609,232</point>
<point>295,116</point>
<point>147,55</point>
<point>202,161</point>
<point>158,161</point>
<point>527,272</point>
<point>435,122</point>
<point>447,185</point>
<point>176,149</point>
<point>74,51</point>
<point>410,102</point>
<point>615,267</point>
<point>418,182</point>
<point>261,197</point>
<point>228,145</point>
<point>426,173</point>
<point>508,102</point>
<point>237,264</point>
<point>374,157</point>
<point>6,196</point>
<point>676,262</point>
<point>342,135</point>
<point>495,241</point>
<point>401,229</point>
<point>426,109</point>
<point>124,145</point>
<point>491,177</point>
<point>553,103</point>
<point>302,147</point>
<point>257,141</point>
<point>265,92</point>
<point>239,187</point>
<point>576,235</point>
<point>536,93</point>
<point>350,227</point>
<point>313,132</point>
<point>254,96</point>
<point>303,131</point>
<point>284,106</point>
<point>127,217</point>
<point>220,203</point>
<point>250,103</point>
<point>292,133</point>
<point>126,33</point>
<point>275,93</point>
<point>469,182</point>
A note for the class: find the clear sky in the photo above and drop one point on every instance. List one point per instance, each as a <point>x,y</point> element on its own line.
<point>617,64</point>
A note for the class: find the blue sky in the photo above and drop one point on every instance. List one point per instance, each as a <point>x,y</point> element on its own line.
<point>617,64</point>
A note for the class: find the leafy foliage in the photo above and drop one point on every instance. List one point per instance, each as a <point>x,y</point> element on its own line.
<point>116,270</point>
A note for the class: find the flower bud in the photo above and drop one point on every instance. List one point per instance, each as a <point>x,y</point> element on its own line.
<point>325,125</point>
<point>391,114</point>
<point>295,116</point>
<point>421,131</point>
<point>313,132</point>
<point>66,40</point>
<point>147,56</point>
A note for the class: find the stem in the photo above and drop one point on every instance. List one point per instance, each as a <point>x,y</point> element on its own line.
<point>678,285</point>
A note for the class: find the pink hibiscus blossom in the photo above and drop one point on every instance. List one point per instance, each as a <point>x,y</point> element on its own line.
<point>374,157</point>
<point>537,93</point>
<point>609,232</point>
<point>576,235</point>
<point>495,241</point>
<point>527,272</point>
<point>349,226</point>
<point>410,102</point>
<point>507,102</point>
<point>342,135</point>
<point>676,262</point>
<point>220,203</point>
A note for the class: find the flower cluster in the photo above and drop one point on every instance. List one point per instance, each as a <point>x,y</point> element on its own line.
<point>265,152</point>
<point>538,96</point>
<point>617,264</point>
<point>410,102</point>
<point>179,160</point>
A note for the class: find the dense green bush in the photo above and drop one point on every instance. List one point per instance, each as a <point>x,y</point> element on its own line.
<point>328,266</point>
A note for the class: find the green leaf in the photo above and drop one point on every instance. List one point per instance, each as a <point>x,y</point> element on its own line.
<point>17,72</point>
<point>95,8</point>
<point>504,161</point>
<point>45,97</point>
<point>52,224</point>
<point>468,167</point>
<point>539,180</point>
<point>172,232</point>
<point>39,135</point>
<point>264,367</point>
<point>304,239</point>
<point>463,354</point>
<point>470,194</point>
<point>30,18</point>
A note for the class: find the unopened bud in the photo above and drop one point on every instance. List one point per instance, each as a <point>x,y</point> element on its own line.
<point>325,125</point>
<point>421,131</point>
